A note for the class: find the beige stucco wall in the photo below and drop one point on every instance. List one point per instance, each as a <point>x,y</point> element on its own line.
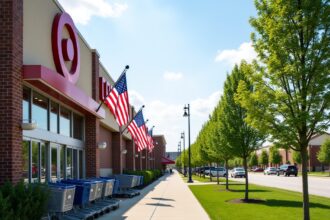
<point>37,45</point>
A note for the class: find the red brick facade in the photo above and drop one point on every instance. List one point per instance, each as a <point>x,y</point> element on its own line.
<point>92,125</point>
<point>130,156</point>
<point>159,150</point>
<point>116,152</point>
<point>11,61</point>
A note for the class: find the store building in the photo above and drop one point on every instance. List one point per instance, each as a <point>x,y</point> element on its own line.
<point>51,83</point>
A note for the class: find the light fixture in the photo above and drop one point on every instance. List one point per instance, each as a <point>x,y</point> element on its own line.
<point>136,155</point>
<point>124,151</point>
<point>143,157</point>
<point>29,124</point>
<point>102,145</point>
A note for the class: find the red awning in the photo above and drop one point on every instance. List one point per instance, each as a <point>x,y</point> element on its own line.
<point>167,161</point>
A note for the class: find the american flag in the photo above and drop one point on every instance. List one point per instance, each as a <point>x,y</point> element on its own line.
<point>137,129</point>
<point>150,140</point>
<point>117,101</point>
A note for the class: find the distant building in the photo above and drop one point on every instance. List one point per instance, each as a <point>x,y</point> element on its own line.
<point>313,148</point>
<point>172,155</point>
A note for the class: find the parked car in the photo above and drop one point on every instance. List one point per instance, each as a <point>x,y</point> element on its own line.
<point>258,170</point>
<point>207,170</point>
<point>238,172</point>
<point>220,170</point>
<point>287,170</point>
<point>270,171</point>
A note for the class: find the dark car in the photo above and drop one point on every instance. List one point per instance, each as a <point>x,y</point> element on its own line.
<point>287,170</point>
<point>258,169</point>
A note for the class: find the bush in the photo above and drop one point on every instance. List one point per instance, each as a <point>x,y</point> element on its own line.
<point>22,201</point>
<point>148,175</point>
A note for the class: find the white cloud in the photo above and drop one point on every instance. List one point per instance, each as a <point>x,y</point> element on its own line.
<point>172,76</point>
<point>82,10</point>
<point>135,99</point>
<point>204,107</point>
<point>168,118</point>
<point>234,56</point>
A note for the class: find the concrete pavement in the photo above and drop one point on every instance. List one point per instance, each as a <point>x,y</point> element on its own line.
<point>167,198</point>
<point>316,185</point>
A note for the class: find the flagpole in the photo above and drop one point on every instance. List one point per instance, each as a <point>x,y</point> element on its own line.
<point>124,71</point>
<point>132,119</point>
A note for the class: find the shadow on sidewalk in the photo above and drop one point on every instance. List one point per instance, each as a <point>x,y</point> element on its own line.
<point>159,204</point>
<point>126,204</point>
<point>163,199</point>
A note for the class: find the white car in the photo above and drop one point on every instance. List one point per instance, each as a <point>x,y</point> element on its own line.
<point>270,170</point>
<point>238,172</point>
<point>220,170</point>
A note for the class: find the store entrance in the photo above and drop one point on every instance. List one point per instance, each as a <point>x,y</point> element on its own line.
<point>46,161</point>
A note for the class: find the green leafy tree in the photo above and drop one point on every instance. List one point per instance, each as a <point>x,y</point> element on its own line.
<point>324,154</point>
<point>275,156</point>
<point>291,99</point>
<point>296,156</point>
<point>253,160</point>
<point>220,146</point>
<point>241,138</point>
<point>263,158</point>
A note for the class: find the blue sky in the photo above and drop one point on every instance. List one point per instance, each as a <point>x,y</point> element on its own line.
<point>179,52</point>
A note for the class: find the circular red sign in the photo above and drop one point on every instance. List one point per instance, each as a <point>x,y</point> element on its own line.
<point>66,50</point>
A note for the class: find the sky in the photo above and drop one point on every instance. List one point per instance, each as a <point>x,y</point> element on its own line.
<point>179,52</point>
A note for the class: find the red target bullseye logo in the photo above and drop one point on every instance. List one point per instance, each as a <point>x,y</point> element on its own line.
<point>66,50</point>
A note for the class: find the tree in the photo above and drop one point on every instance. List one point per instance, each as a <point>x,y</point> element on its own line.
<point>263,159</point>
<point>253,161</point>
<point>296,156</point>
<point>274,156</point>
<point>324,154</point>
<point>242,139</point>
<point>291,100</point>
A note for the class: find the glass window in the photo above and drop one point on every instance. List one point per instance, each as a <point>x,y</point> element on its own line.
<point>54,117</point>
<point>78,126</point>
<point>62,162</point>
<point>54,163</point>
<point>39,110</point>
<point>43,161</point>
<point>26,104</point>
<point>35,161</point>
<point>69,163</point>
<point>25,161</point>
<point>65,121</point>
<point>81,164</point>
<point>75,163</point>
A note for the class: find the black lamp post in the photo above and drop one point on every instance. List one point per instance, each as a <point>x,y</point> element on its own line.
<point>184,164</point>
<point>187,114</point>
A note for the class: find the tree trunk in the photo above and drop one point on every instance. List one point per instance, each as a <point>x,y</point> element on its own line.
<point>217,173</point>
<point>246,197</point>
<point>304,158</point>
<point>210,173</point>
<point>227,188</point>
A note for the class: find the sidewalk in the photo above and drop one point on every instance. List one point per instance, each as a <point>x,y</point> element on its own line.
<point>167,198</point>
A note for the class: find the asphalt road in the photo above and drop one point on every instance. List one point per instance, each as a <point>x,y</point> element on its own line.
<point>316,185</point>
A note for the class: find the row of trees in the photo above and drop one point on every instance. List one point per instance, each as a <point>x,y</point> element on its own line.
<point>284,95</point>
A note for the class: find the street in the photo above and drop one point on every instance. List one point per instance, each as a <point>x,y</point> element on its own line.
<point>316,185</point>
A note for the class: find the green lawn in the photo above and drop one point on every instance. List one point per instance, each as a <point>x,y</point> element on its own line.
<point>206,179</point>
<point>323,174</point>
<point>279,204</point>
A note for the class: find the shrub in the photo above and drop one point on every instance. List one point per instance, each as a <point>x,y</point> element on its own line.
<point>22,201</point>
<point>148,175</point>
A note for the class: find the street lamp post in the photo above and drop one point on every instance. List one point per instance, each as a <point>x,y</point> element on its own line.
<point>187,114</point>
<point>184,164</point>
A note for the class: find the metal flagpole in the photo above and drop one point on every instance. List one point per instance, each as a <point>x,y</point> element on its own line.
<point>132,119</point>
<point>124,71</point>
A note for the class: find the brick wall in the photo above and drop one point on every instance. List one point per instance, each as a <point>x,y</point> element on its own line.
<point>11,61</point>
<point>116,153</point>
<point>130,156</point>
<point>92,151</point>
